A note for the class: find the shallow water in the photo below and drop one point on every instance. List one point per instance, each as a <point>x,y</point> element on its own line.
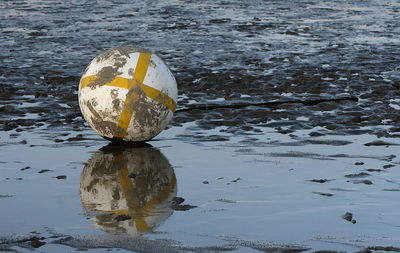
<point>270,175</point>
<point>263,194</point>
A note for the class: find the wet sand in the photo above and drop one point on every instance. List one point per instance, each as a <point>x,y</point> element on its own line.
<point>285,138</point>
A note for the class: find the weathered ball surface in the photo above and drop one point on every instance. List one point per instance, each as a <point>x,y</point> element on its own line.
<point>127,93</point>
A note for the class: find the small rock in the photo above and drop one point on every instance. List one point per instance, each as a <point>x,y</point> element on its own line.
<point>177,201</point>
<point>25,122</point>
<point>226,201</point>
<point>40,95</point>
<point>36,243</point>
<point>379,143</point>
<point>387,166</point>
<point>368,182</point>
<point>374,170</point>
<point>324,194</point>
<point>384,248</point>
<point>315,134</point>
<point>321,181</point>
<point>6,196</point>
<point>10,125</point>
<point>347,216</point>
<point>43,171</point>
<point>183,207</point>
<point>78,137</point>
<point>14,135</point>
<point>358,175</point>
<point>9,109</point>
<point>205,182</point>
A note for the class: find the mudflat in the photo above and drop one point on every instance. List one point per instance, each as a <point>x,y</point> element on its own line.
<point>285,139</point>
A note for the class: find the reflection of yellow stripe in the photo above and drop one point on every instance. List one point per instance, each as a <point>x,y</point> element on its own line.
<point>163,195</point>
<point>125,181</point>
<point>129,193</point>
<point>141,225</point>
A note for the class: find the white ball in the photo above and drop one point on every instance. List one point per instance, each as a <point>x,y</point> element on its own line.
<point>127,93</point>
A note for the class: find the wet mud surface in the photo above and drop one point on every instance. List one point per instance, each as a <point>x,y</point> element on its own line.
<point>285,139</point>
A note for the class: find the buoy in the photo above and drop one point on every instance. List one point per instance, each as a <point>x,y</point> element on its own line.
<point>127,93</point>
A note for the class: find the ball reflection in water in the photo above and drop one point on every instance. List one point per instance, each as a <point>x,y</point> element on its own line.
<point>128,189</point>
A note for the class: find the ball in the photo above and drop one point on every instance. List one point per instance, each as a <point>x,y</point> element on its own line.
<point>127,94</point>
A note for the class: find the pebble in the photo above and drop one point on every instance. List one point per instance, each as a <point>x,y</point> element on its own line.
<point>321,181</point>
<point>349,217</point>
<point>43,171</point>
